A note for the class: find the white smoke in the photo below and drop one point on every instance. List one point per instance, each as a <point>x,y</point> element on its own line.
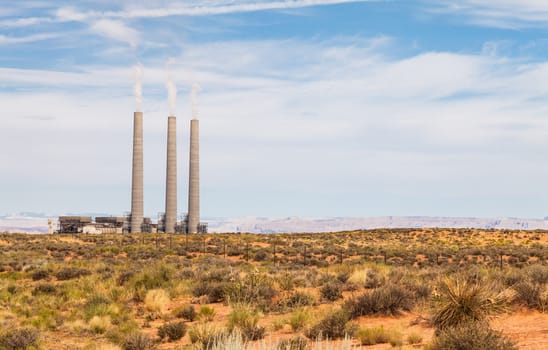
<point>172,95</point>
<point>138,89</point>
<point>194,96</point>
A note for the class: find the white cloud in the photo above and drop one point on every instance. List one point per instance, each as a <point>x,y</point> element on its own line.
<point>499,13</point>
<point>158,10</point>
<point>7,40</point>
<point>116,30</point>
<point>435,125</point>
<point>224,7</point>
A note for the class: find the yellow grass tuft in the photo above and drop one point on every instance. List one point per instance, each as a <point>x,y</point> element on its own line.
<point>99,324</point>
<point>157,300</point>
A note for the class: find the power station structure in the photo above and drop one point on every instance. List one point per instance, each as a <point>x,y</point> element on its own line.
<point>135,222</point>
<point>137,200</point>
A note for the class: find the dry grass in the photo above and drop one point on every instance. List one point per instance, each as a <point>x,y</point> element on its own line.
<point>157,300</point>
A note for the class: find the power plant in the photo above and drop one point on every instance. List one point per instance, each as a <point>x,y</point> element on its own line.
<point>194,179</point>
<point>135,222</point>
<point>137,201</point>
<point>171,176</point>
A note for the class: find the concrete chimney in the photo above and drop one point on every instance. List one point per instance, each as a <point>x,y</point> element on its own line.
<point>194,179</point>
<point>171,176</point>
<point>137,210</point>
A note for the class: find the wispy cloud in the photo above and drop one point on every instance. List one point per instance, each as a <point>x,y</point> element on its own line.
<point>116,30</point>
<point>198,8</point>
<point>499,13</point>
<point>26,39</point>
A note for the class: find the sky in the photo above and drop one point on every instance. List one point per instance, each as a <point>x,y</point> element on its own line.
<point>307,107</point>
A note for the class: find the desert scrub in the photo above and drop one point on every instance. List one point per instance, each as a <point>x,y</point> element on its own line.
<point>97,305</point>
<point>172,331</point>
<point>158,276</point>
<point>331,291</point>
<point>44,288</point>
<point>335,325</point>
<point>460,301</point>
<point>295,343</point>
<point>204,335</point>
<point>19,338</point>
<point>531,294</point>
<point>214,290</point>
<point>372,336</point>
<point>157,300</point>
<point>300,319</point>
<point>188,312</point>
<point>297,300</point>
<point>70,272</point>
<point>414,338</point>
<point>139,341</point>
<point>206,314</point>
<point>245,319</point>
<point>40,275</point>
<point>99,324</point>
<point>387,300</point>
<point>471,336</point>
<point>254,288</point>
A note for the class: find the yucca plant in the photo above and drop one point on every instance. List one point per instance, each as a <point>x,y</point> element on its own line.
<point>458,301</point>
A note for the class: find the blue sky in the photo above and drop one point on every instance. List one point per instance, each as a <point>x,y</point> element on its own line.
<point>307,107</point>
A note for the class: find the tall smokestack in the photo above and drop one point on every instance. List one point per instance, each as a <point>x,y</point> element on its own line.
<point>194,179</point>
<point>137,210</point>
<point>171,176</point>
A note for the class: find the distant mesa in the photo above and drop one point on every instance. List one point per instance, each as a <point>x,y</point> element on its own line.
<point>39,224</point>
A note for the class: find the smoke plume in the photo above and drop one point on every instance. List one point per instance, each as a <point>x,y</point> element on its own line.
<point>172,95</point>
<point>194,95</point>
<point>138,89</point>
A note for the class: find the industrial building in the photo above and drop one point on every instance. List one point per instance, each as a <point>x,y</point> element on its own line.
<point>101,224</point>
<point>135,222</point>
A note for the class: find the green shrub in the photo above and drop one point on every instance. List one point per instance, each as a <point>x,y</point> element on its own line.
<point>388,300</point>
<point>188,312</point>
<point>244,318</point>
<point>71,272</point>
<point>299,299</point>
<point>19,339</point>
<point>374,279</point>
<point>372,336</point>
<point>215,291</point>
<point>471,336</point>
<point>331,291</point>
<point>173,331</point>
<point>206,313</point>
<point>253,289</point>
<point>538,274</point>
<point>299,319</point>
<point>395,338</point>
<point>155,277</point>
<point>335,325</point>
<point>45,288</point>
<point>530,294</point>
<point>40,275</point>
<point>139,341</point>
<point>96,305</point>
<point>261,255</point>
